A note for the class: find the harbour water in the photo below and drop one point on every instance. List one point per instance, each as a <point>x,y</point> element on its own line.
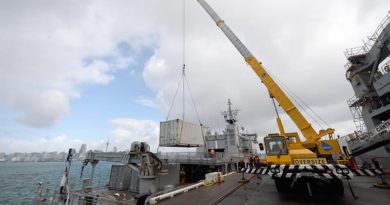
<point>19,180</point>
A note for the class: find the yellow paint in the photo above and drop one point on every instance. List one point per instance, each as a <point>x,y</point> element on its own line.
<point>302,153</point>
<point>280,125</point>
<point>345,162</point>
<point>282,159</point>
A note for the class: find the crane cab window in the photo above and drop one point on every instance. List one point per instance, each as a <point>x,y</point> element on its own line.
<point>291,139</point>
<point>275,145</point>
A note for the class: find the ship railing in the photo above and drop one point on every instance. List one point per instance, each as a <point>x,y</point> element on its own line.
<point>354,101</point>
<point>356,50</point>
<point>354,137</point>
<point>367,45</point>
<point>185,156</point>
<point>382,25</point>
<point>84,199</point>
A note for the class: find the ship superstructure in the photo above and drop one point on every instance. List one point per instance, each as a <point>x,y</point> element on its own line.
<point>368,71</point>
<point>140,173</point>
<point>234,141</point>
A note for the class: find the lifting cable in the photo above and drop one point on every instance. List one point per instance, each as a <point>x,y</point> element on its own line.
<point>183,82</point>
<point>182,79</point>
<point>193,102</point>
<point>300,102</point>
<point>183,51</point>
<point>174,98</point>
<point>305,108</point>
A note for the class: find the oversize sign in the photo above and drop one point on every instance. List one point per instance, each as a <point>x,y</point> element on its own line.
<point>310,161</point>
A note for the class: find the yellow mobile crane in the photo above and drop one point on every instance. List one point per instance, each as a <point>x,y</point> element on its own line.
<point>292,161</point>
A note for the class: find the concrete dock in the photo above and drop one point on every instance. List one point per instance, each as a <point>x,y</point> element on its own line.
<point>262,191</point>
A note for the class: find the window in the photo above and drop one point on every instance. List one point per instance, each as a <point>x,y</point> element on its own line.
<point>275,145</point>
<point>291,139</point>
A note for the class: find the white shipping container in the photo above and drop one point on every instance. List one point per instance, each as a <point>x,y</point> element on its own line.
<point>213,177</point>
<point>178,133</point>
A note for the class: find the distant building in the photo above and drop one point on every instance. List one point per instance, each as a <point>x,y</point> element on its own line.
<point>83,149</point>
<point>82,152</point>
<point>34,157</point>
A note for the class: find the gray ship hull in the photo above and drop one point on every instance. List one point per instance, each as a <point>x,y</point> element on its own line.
<point>381,154</point>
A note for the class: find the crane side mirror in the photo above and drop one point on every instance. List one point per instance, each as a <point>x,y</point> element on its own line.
<point>261,146</point>
<point>346,151</point>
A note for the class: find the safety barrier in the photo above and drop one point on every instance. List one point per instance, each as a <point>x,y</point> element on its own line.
<point>171,194</point>
<point>367,172</point>
<point>256,170</point>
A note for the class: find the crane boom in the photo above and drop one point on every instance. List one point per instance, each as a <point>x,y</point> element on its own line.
<point>273,88</point>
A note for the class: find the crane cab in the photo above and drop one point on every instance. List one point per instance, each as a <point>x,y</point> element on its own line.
<point>283,149</point>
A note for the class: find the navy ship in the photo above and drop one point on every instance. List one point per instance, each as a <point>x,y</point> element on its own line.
<point>368,71</point>
<point>140,175</point>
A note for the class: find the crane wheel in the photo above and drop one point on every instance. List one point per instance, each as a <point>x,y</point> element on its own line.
<point>283,185</point>
<point>338,187</point>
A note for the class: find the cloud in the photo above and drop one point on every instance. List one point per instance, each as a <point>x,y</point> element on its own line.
<point>128,130</point>
<point>146,102</point>
<point>50,50</point>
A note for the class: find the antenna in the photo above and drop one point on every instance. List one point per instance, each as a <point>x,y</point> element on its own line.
<point>107,143</point>
<point>231,114</point>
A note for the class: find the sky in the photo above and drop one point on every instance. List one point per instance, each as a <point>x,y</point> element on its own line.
<point>76,72</point>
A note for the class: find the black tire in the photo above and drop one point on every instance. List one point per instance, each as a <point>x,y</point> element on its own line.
<point>338,187</point>
<point>282,185</point>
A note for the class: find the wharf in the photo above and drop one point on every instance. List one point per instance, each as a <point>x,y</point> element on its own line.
<point>207,194</point>
<point>262,191</point>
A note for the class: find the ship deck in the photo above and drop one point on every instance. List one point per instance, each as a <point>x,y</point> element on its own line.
<point>263,191</point>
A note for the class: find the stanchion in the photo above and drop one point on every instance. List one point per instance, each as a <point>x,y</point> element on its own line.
<point>243,179</point>
<point>383,184</point>
<point>352,192</point>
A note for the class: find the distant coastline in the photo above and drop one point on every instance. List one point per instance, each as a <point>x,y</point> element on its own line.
<point>3,162</point>
<point>39,157</point>
<point>43,156</point>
